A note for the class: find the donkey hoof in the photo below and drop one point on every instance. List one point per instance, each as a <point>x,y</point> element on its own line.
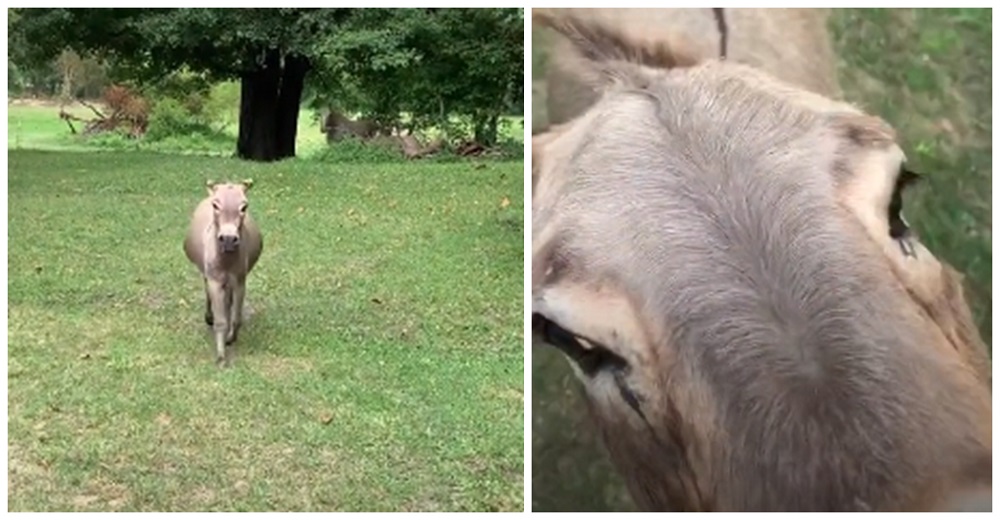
<point>221,362</point>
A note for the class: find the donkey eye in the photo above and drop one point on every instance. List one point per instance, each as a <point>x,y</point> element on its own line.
<point>215,206</point>
<point>589,356</point>
<point>899,229</point>
<point>243,208</point>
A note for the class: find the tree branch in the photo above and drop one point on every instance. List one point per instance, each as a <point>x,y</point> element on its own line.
<point>92,108</point>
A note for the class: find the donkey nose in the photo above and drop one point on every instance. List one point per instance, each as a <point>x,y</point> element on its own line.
<point>229,242</point>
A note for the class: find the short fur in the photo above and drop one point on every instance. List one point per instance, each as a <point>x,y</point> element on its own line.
<point>791,44</point>
<point>224,272</point>
<point>710,226</point>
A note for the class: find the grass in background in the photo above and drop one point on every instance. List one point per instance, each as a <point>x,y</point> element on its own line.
<point>381,366</point>
<point>928,72</point>
<point>35,125</point>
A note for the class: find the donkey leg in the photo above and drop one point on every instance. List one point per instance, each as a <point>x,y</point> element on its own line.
<point>220,320</point>
<point>236,310</point>
<point>208,305</point>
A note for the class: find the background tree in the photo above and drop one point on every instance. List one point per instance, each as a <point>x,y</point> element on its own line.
<point>428,63</point>
<point>267,50</point>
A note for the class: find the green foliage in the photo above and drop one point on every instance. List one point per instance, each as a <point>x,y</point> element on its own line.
<point>170,117</point>
<point>112,141</point>
<point>429,63</point>
<point>188,88</point>
<point>37,126</point>
<point>80,77</point>
<point>194,142</point>
<point>222,106</point>
<point>191,114</point>
<point>355,151</point>
<point>147,44</point>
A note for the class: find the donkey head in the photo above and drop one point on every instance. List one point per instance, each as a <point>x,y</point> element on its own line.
<point>229,203</point>
<point>724,261</point>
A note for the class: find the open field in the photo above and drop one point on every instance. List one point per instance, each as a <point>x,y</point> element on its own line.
<point>380,368</point>
<point>35,125</point>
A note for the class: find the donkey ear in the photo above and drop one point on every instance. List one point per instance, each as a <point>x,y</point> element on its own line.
<point>247,184</point>
<point>604,58</point>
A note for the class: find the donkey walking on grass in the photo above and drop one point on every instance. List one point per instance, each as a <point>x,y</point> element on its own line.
<point>224,242</point>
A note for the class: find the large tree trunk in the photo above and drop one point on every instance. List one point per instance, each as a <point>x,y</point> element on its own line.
<point>258,110</point>
<point>289,100</point>
<point>269,108</point>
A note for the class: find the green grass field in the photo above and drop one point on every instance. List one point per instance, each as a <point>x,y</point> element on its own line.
<point>928,72</point>
<point>35,125</point>
<point>380,368</point>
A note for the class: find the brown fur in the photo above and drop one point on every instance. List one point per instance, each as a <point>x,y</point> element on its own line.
<point>725,235</point>
<point>791,44</point>
<point>337,126</point>
<point>224,243</point>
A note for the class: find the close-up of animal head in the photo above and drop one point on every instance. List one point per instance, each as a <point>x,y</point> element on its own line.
<point>723,258</point>
<point>229,204</point>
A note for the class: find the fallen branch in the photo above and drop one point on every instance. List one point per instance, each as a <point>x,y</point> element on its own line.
<point>92,108</point>
<point>471,149</point>
<point>69,118</point>
<point>412,149</point>
<point>128,111</point>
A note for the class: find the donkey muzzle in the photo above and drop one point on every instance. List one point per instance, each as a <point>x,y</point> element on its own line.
<point>229,243</point>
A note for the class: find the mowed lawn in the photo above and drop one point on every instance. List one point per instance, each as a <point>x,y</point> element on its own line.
<point>928,73</point>
<point>380,367</point>
<point>35,125</point>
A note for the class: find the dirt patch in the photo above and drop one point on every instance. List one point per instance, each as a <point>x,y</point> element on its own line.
<point>512,394</point>
<point>203,496</point>
<point>278,367</point>
<point>154,300</point>
<point>100,494</point>
<point>22,470</point>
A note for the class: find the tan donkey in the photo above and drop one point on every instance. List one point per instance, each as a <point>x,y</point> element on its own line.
<point>224,243</point>
<point>722,257</point>
<point>792,45</point>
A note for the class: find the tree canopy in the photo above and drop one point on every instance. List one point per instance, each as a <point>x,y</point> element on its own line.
<point>428,63</point>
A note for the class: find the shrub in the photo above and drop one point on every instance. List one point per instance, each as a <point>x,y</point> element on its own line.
<point>171,118</point>
<point>353,150</point>
<point>222,106</point>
